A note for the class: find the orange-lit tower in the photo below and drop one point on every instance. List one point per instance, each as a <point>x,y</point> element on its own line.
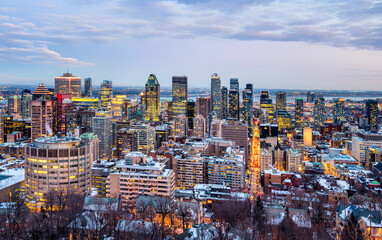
<point>254,163</point>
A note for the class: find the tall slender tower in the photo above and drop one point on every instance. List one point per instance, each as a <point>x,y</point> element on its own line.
<point>280,101</point>
<point>88,87</point>
<point>106,93</point>
<point>216,95</point>
<point>152,99</point>
<point>224,102</point>
<point>248,104</point>
<point>254,163</point>
<point>372,114</point>
<point>299,111</point>
<point>179,95</point>
<point>234,99</point>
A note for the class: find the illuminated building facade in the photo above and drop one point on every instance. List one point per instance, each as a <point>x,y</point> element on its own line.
<point>63,106</point>
<point>299,111</point>
<point>26,99</point>
<point>146,136</point>
<point>203,106</point>
<point>372,114</point>
<point>67,84</point>
<point>106,93</point>
<point>102,127</point>
<point>254,165</point>
<point>338,110</point>
<point>281,103</point>
<point>248,104</point>
<point>234,99</point>
<point>42,93</point>
<point>117,107</point>
<point>152,99</point>
<point>179,95</point>
<point>127,141</point>
<point>55,164</point>
<point>227,170</point>
<point>224,102</point>
<point>284,120</point>
<point>216,95</point>
<point>199,126</point>
<point>14,105</point>
<point>88,87</point>
<point>190,171</point>
<point>190,113</point>
<point>85,103</point>
<point>319,112</point>
<point>266,106</point>
<point>136,176</point>
<point>233,105</point>
<point>41,118</point>
<point>308,136</point>
<point>180,126</point>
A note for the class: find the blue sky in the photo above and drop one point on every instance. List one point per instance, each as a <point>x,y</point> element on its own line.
<point>272,44</point>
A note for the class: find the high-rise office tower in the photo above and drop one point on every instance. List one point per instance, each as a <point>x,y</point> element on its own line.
<point>216,95</point>
<point>237,132</point>
<point>284,120</point>
<point>281,101</point>
<point>152,99</point>
<point>63,106</point>
<point>68,84</point>
<point>203,106</point>
<point>127,141</point>
<point>41,118</point>
<point>180,126</point>
<point>106,93</point>
<point>299,111</point>
<point>233,105</point>
<point>234,99</point>
<point>102,127</point>
<point>190,113</point>
<point>88,87</point>
<point>372,114</point>
<point>319,112</point>
<point>179,95</point>
<point>14,105</point>
<point>234,84</point>
<point>199,126</point>
<point>146,136</point>
<point>26,98</point>
<point>55,164</point>
<point>338,110</point>
<point>248,104</point>
<point>224,102</point>
<point>310,97</point>
<point>42,93</point>
<point>266,105</point>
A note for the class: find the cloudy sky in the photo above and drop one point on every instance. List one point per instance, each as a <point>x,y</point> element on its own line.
<point>272,44</point>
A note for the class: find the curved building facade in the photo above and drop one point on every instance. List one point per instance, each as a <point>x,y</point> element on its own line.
<point>56,164</point>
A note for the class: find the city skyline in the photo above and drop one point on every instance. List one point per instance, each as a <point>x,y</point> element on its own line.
<point>326,46</point>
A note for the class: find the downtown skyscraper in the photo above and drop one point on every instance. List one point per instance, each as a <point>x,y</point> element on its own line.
<point>338,110</point>
<point>299,111</point>
<point>234,99</point>
<point>179,95</point>
<point>319,112</point>
<point>224,102</point>
<point>106,93</point>
<point>280,101</point>
<point>372,114</point>
<point>88,87</point>
<point>216,95</point>
<point>68,84</point>
<point>152,99</point>
<point>248,104</point>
